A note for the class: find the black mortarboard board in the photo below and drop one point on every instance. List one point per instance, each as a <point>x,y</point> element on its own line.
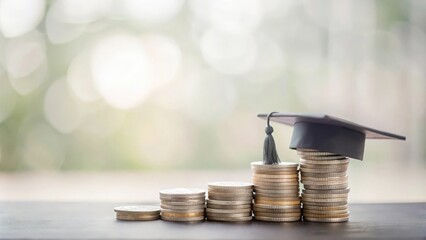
<point>329,134</point>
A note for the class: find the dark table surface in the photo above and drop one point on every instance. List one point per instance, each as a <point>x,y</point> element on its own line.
<point>50,220</point>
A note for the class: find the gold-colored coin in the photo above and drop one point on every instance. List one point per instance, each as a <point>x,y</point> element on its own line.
<point>326,191</point>
<point>185,207</point>
<point>221,202</point>
<point>277,202</point>
<point>274,206</point>
<point>183,203</point>
<point>286,181</point>
<point>184,219</point>
<point>322,208</point>
<point>327,179</point>
<point>182,192</point>
<point>324,183</point>
<point>133,217</point>
<point>286,195</point>
<point>228,215</point>
<point>324,166</point>
<point>328,220</point>
<point>341,195</point>
<point>214,210</point>
<point>323,175</point>
<point>322,170</point>
<point>232,195</point>
<point>277,214</point>
<point>267,176</point>
<point>328,162</point>
<point>182,215</point>
<point>195,210</point>
<point>313,215</point>
<point>230,219</point>
<point>323,204</point>
<point>334,212</point>
<point>325,158</point>
<point>216,206</point>
<point>222,198</point>
<point>275,172</point>
<point>272,219</point>
<point>278,187</point>
<point>308,200</point>
<point>311,152</point>
<point>319,187</point>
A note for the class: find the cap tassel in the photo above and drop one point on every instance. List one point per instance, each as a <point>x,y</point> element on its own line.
<point>270,155</point>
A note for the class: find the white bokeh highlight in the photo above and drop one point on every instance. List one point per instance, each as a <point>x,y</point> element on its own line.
<point>18,17</point>
<point>121,70</point>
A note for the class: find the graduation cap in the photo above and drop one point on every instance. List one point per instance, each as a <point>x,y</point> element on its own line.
<point>323,133</point>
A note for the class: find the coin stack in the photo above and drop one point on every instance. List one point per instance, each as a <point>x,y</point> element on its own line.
<point>325,182</point>
<point>137,213</point>
<point>229,201</point>
<point>276,189</point>
<point>182,204</point>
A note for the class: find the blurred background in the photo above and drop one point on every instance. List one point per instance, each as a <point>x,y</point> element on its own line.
<point>108,100</point>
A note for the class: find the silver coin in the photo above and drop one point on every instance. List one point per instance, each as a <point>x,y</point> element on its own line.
<point>148,209</point>
<point>182,192</point>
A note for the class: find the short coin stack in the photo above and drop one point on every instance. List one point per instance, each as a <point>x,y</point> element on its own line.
<point>229,201</point>
<point>325,194</point>
<point>137,213</point>
<point>182,204</point>
<point>276,189</point>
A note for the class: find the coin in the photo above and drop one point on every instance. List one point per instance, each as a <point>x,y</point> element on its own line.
<point>324,204</point>
<point>230,195</point>
<point>276,210</point>
<point>267,176</point>
<point>275,172</point>
<point>195,210</point>
<point>182,215</point>
<point>272,219</point>
<point>326,191</point>
<point>322,208</point>
<point>323,166</point>
<point>281,165</point>
<point>230,198</point>
<point>145,209</point>
<point>340,186</point>
<point>269,191</point>
<point>323,175</point>
<point>341,195</point>
<point>271,206</point>
<point>316,162</point>
<point>182,192</point>
<point>304,151</point>
<point>329,220</point>
<point>230,215</point>
<point>221,202</point>
<point>132,217</point>
<point>185,219</point>
<point>230,185</point>
<point>232,191</point>
<point>185,207</point>
<point>230,219</point>
<point>269,195</point>
<point>319,158</point>
<point>322,170</point>
<point>241,210</point>
<point>277,202</point>
<point>182,203</point>
<point>306,199</point>
<point>278,187</point>
<point>334,212</point>
<point>275,184</point>
<point>216,206</point>
<point>325,183</point>
<point>313,215</point>
<point>327,179</point>
<point>278,215</point>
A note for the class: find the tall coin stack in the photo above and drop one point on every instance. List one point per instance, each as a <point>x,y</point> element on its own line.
<point>229,201</point>
<point>276,189</point>
<point>182,204</point>
<point>325,182</point>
